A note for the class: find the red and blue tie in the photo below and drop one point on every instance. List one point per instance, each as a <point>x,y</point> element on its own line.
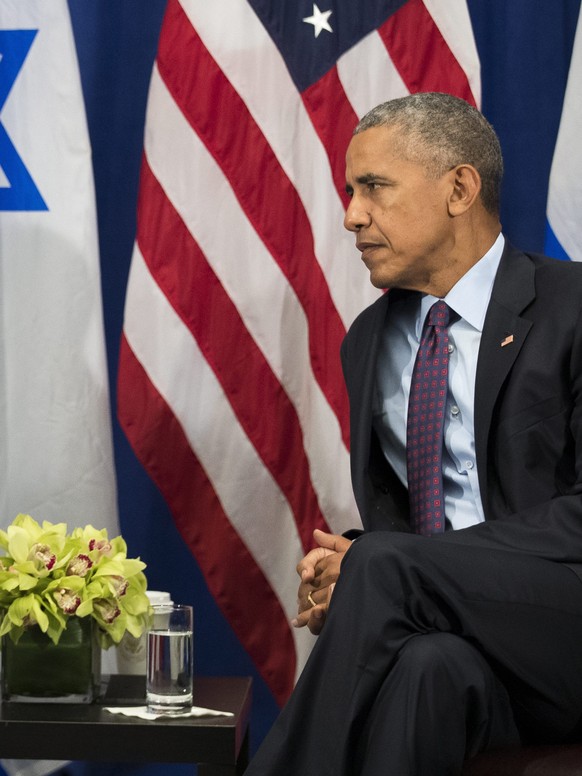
<point>424,429</point>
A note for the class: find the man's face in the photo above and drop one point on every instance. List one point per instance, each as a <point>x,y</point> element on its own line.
<point>398,214</point>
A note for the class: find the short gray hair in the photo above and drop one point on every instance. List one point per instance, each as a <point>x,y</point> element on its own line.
<point>441,131</point>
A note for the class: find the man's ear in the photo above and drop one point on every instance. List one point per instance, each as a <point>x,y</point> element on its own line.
<point>466,189</point>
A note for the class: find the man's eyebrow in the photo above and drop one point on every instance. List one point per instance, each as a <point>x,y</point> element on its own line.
<point>372,177</point>
<point>368,177</point>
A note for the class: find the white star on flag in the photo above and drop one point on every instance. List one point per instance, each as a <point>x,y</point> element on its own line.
<point>319,20</point>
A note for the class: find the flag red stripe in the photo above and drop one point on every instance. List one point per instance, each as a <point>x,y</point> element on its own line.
<point>239,586</point>
<point>262,407</point>
<point>334,120</point>
<point>221,119</point>
<point>421,54</point>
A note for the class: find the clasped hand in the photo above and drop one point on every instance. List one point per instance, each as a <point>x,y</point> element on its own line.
<point>319,571</point>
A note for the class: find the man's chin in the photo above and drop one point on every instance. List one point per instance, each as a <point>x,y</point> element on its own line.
<point>379,280</point>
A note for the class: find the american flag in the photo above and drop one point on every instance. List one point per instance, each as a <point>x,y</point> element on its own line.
<point>243,282</point>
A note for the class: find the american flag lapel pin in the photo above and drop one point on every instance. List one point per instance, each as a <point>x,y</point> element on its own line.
<point>507,341</point>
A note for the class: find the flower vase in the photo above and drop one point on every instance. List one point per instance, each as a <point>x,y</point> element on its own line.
<point>35,670</point>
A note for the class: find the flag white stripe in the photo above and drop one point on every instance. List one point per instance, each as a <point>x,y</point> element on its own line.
<point>264,298</point>
<point>358,71</point>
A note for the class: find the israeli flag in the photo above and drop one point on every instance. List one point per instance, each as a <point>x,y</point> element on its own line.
<point>56,458</point>
<point>564,228</point>
<point>55,430</point>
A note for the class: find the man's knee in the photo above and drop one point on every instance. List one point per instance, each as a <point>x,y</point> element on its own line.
<point>386,560</point>
<point>435,652</point>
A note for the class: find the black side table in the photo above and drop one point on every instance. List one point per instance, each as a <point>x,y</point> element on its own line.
<point>218,745</point>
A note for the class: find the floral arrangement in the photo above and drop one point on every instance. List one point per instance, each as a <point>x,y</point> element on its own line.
<point>48,576</point>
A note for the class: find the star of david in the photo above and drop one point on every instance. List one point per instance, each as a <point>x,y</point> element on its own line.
<point>21,193</point>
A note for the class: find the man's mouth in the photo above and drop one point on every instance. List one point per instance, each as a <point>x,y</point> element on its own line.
<point>366,248</point>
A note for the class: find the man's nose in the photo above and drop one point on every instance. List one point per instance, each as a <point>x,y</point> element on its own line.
<point>356,216</point>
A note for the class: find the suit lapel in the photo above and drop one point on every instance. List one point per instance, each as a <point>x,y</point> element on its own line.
<point>365,368</point>
<point>504,334</point>
<point>362,385</point>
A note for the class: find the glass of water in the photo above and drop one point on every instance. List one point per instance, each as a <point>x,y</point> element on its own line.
<point>170,660</point>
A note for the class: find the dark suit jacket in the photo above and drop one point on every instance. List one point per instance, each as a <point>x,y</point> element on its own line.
<point>528,414</point>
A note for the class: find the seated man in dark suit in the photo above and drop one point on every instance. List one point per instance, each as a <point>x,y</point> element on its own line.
<point>455,623</point>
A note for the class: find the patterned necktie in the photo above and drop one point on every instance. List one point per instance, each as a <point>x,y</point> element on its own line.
<point>424,429</point>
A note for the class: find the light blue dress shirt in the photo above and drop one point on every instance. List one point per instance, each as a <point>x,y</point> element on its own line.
<point>469,298</point>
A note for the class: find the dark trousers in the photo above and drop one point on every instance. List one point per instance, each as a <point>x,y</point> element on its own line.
<point>431,652</point>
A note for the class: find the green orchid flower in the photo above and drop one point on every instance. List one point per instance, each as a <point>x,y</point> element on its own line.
<point>24,612</point>
<point>48,576</point>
